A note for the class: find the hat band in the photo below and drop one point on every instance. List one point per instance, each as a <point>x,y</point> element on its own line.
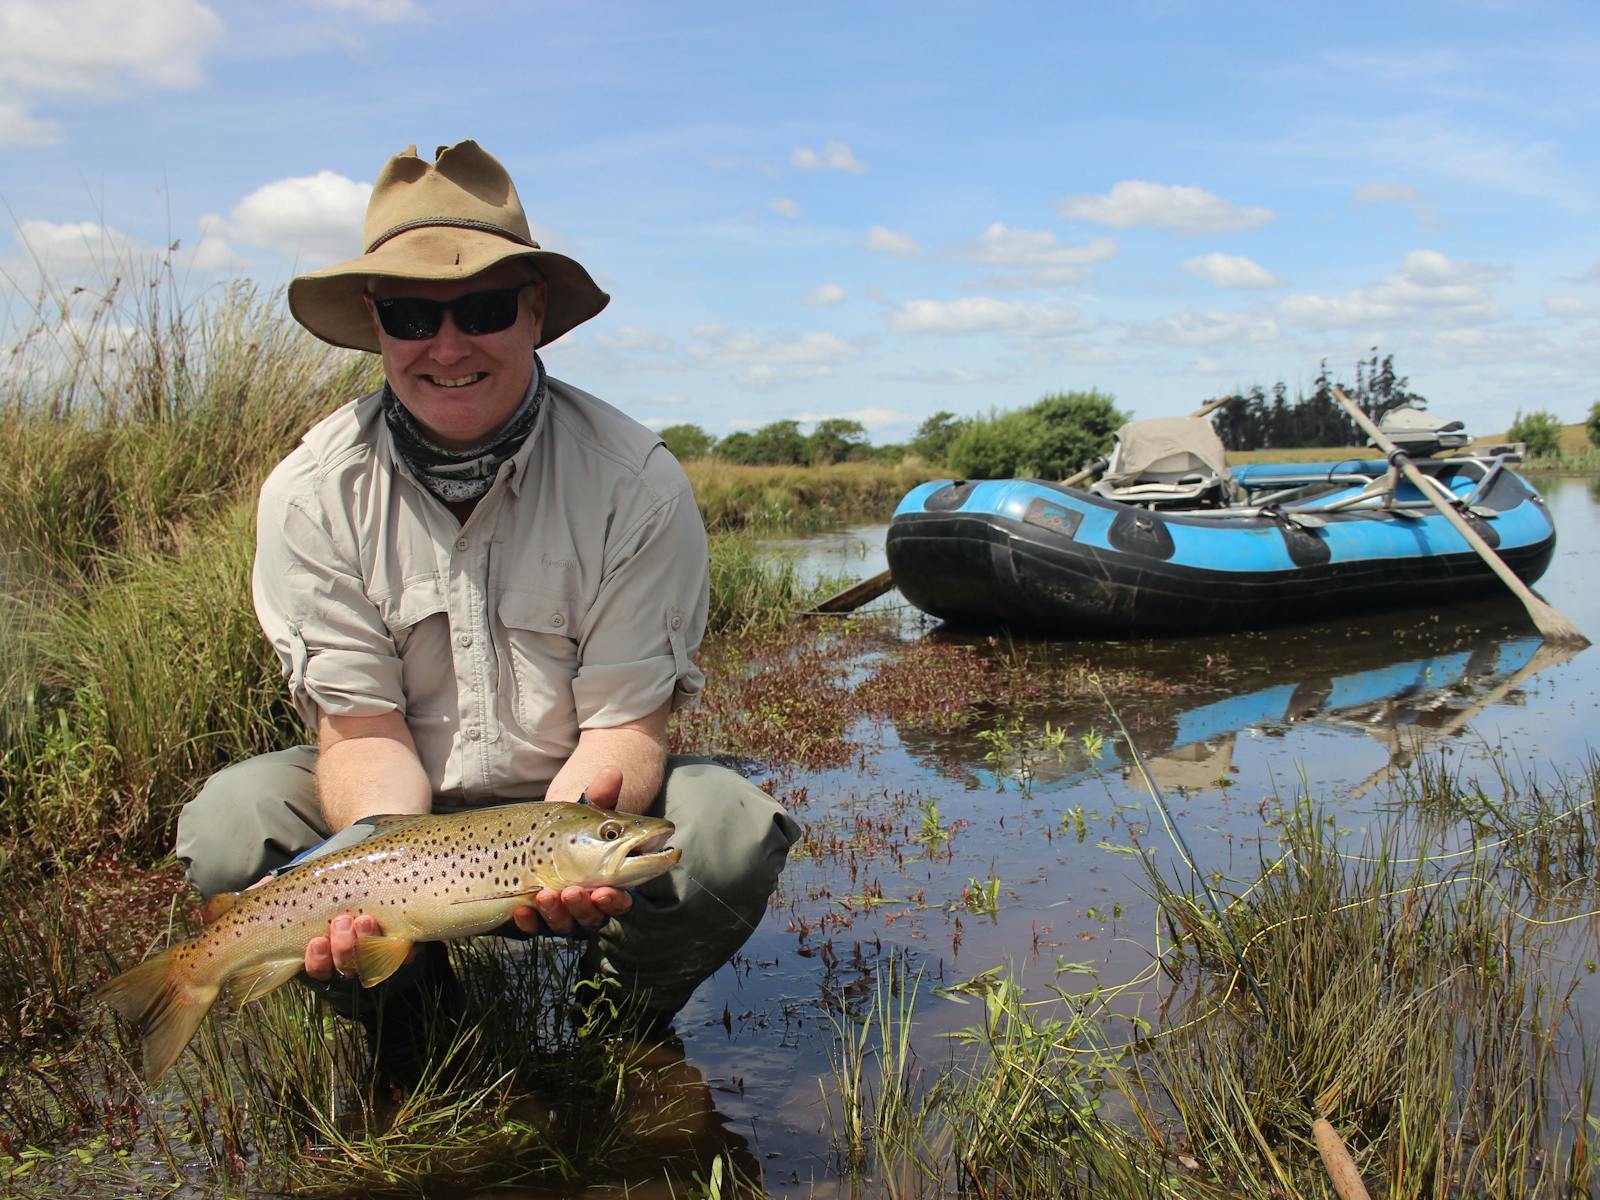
<point>454,223</point>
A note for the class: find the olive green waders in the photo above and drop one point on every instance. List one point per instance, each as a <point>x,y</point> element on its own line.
<point>253,817</point>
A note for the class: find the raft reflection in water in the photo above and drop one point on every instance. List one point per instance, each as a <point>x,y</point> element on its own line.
<point>1376,684</point>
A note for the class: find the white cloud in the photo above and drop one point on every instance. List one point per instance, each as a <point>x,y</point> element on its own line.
<point>1232,271</point>
<point>1045,261</point>
<point>311,219</point>
<point>1432,145</point>
<point>1001,246</point>
<point>834,156</point>
<point>1191,328</point>
<point>95,48</point>
<point>886,241</point>
<point>784,207</point>
<point>1206,366</point>
<point>984,314</point>
<point>767,360</point>
<point>377,10</point>
<point>872,418</point>
<point>1570,306</point>
<point>1386,193</point>
<point>1188,211</point>
<point>213,252</point>
<point>80,253</point>
<point>86,254</point>
<point>1334,312</point>
<point>1592,275</point>
<point>19,127</point>
<point>631,339</point>
<point>826,296</point>
<point>1427,286</point>
<point>958,376</point>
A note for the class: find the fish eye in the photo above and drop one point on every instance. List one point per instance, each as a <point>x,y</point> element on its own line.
<point>611,831</point>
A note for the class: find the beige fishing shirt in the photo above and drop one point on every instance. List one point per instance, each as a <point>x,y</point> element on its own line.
<point>573,598</point>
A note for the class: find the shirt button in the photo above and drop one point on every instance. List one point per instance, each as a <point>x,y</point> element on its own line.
<point>557,620</point>
<point>677,622</point>
<point>463,639</point>
<point>474,734</point>
<point>461,543</point>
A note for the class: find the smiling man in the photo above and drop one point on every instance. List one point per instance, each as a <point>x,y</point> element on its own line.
<point>484,585</point>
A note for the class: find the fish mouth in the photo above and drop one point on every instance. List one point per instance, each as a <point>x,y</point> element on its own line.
<point>638,857</point>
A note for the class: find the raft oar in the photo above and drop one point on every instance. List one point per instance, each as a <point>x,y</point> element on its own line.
<point>869,589</point>
<point>1335,1155</point>
<point>1550,623</point>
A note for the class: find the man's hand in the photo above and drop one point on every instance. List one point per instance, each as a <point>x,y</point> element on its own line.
<point>558,912</point>
<point>337,951</point>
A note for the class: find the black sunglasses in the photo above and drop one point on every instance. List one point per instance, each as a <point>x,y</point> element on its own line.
<point>411,318</point>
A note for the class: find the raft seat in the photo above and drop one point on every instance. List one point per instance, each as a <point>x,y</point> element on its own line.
<point>1166,489</point>
<point>1168,462</point>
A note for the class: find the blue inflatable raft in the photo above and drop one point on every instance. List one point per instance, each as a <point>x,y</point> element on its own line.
<point>1208,550</point>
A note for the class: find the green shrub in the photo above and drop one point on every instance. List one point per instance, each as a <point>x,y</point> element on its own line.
<point>1051,439</point>
<point>1593,424</point>
<point>1540,429</point>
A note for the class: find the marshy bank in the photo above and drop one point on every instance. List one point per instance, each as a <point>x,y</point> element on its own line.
<point>986,973</point>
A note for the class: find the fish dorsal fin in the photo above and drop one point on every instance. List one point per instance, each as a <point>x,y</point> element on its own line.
<point>213,907</point>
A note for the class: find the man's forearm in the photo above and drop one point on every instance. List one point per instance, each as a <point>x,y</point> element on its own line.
<point>367,766</point>
<point>637,749</point>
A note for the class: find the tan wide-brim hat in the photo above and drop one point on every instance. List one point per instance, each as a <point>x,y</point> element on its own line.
<point>444,220</point>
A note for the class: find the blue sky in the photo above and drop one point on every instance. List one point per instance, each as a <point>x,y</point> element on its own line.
<point>879,211</point>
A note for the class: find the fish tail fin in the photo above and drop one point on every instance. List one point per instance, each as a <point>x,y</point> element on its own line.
<point>163,1007</point>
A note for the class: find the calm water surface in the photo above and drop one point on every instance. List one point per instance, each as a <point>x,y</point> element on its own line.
<point>1331,708</point>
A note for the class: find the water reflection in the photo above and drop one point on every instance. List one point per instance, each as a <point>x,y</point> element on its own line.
<point>1405,691</point>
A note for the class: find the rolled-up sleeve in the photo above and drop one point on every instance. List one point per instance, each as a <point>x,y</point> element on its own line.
<point>337,654</point>
<point>639,636</point>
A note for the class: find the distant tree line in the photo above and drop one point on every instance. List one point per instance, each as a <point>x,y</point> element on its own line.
<point>1266,419</point>
<point>1054,436</point>
<point>1064,431</point>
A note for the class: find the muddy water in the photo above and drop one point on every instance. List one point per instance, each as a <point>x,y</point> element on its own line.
<point>1332,709</point>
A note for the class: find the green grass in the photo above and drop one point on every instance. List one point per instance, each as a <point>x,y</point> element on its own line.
<point>765,499</point>
<point>1422,1002</point>
<point>134,433</point>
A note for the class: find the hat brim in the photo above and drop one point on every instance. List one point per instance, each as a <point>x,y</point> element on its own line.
<point>329,304</point>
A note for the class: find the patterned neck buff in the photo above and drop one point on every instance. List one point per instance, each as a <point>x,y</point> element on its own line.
<point>456,475</point>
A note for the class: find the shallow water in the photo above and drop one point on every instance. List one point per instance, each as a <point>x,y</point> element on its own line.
<point>1328,709</point>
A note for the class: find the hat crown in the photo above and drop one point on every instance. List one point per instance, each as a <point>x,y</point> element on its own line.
<point>465,186</point>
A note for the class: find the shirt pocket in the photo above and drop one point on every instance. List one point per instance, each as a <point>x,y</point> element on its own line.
<point>419,625</point>
<point>540,661</point>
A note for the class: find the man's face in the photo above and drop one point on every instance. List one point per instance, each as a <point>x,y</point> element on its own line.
<point>461,388</point>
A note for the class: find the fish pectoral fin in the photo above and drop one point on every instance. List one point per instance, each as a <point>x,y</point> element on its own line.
<point>380,956</point>
<point>256,982</point>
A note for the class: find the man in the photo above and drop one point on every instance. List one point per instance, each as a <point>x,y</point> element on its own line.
<point>484,586</point>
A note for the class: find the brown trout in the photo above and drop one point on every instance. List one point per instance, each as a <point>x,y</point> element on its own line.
<point>425,878</point>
